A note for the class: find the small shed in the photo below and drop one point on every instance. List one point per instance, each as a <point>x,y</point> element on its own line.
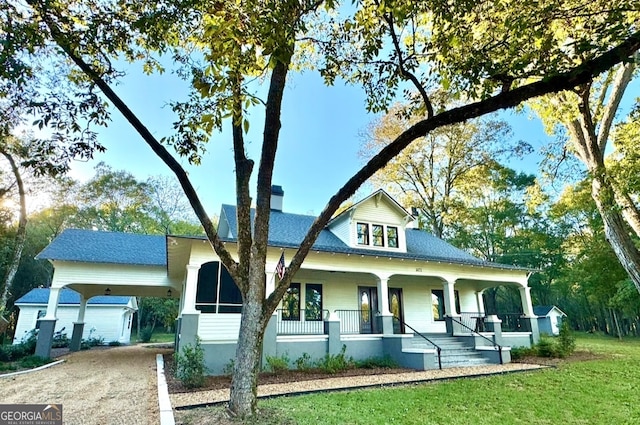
<point>549,318</point>
<point>107,316</point>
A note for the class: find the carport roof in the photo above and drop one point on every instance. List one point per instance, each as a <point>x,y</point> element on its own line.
<point>69,296</point>
<point>107,247</point>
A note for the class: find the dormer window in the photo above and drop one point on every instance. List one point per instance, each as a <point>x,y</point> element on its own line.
<point>363,234</point>
<point>381,235</point>
<point>392,236</point>
<point>378,235</point>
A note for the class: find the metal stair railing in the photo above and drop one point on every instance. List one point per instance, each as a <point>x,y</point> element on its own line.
<point>438,348</point>
<point>495,345</point>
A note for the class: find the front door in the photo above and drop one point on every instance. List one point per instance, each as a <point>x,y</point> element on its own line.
<point>395,307</point>
<point>368,301</point>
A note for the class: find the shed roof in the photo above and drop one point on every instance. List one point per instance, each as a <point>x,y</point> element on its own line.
<point>68,296</point>
<point>544,310</point>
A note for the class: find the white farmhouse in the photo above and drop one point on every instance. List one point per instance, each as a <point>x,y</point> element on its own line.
<point>372,282</point>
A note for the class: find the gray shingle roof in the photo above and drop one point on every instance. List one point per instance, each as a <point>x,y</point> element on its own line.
<point>69,296</point>
<point>107,247</point>
<point>288,230</point>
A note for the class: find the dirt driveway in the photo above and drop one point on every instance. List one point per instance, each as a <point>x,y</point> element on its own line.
<point>115,385</point>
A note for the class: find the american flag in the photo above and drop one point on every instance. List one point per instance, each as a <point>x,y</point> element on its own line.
<point>280,267</point>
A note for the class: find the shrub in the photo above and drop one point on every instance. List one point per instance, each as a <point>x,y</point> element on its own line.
<point>7,367</point>
<point>30,362</point>
<point>547,348</point>
<point>190,368</point>
<point>145,334</point>
<point>27,347</point>
<point>304,362</point>
<point>60,341</point>
<point>228,368</point>
<point>518,353</point>
<point>566,340</point>
<point>333,363</point>
<point>278,364</point>
<point>114,344</point>
<point>377,362</point>
<point>93,342</point>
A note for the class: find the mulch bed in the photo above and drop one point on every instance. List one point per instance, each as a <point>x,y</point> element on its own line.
<point>222,382</point>
<point>576,356</point>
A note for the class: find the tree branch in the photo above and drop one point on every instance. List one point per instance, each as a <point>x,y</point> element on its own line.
<point>62,40</point>
<point>567,80</point>
<point>403,70</point>
<point>623,77</point>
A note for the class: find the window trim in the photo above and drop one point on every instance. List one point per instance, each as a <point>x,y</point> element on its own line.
<point>365,235</point>
<point>370,238</point>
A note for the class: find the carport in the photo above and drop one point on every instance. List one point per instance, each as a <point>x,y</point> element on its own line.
<point>102,263</point>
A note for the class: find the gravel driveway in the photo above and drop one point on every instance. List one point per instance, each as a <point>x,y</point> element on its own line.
<point>115,385</point>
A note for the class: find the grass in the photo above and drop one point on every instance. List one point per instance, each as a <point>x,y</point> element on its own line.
<point>601,391</point>
<point>156,337</point>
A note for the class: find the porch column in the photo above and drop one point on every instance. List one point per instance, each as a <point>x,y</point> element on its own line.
<point>449,304</point>
<point>527,305</point>
<point>529,317</point>
<point>78,326</point>
<point>383,304</point>
<point>480,302</point>
<point>48,325</point>
<point>270,285</point>
<point>190,317</point>
<point>190,289</point>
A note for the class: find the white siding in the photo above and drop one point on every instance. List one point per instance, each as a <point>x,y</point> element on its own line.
<point>218,327</point>
<point>109,274</point>
<point>110,322</point>
<point>342,229</point>
<point>380,212</point>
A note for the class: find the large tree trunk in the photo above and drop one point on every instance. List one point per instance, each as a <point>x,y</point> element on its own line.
<point>615,228</point>
<point>21,235</point>
<point>629,210</point>
<point>244,384</point>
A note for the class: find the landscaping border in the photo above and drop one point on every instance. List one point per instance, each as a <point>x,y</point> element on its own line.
<point>20,372</point>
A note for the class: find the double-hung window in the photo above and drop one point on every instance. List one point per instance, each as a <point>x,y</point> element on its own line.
<point>377,235</point>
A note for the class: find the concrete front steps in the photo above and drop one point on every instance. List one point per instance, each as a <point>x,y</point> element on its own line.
<point>455,351</point>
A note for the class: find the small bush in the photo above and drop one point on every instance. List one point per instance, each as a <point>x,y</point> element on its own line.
<point>385,362</point>
<point>30,362</point>
<point>304,362</point>
<point>518,353</point>
<point>336,362</point>
<point>566,340</point>
<point>278,364</point>
<point>114,344</point>
<point>93,341</point>
<point>547,348</point>
<point>7,367</point>
<point>145,334</point>
<point>190,368</point>
<point>60,341</point>
<point>228,368</point>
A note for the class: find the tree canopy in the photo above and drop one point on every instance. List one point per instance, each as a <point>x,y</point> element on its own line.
<point>488,55</point>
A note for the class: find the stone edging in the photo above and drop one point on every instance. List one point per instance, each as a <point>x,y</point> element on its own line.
<point>20,372</point>
<point>164,403</point>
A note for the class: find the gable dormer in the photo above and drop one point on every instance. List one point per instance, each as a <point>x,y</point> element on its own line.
<point>377,222</point>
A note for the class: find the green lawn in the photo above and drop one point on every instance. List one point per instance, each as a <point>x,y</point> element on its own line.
<point>156,337</point>
<point>603,390</point>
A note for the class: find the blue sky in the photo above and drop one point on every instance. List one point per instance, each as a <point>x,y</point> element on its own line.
<point>318,145</point>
